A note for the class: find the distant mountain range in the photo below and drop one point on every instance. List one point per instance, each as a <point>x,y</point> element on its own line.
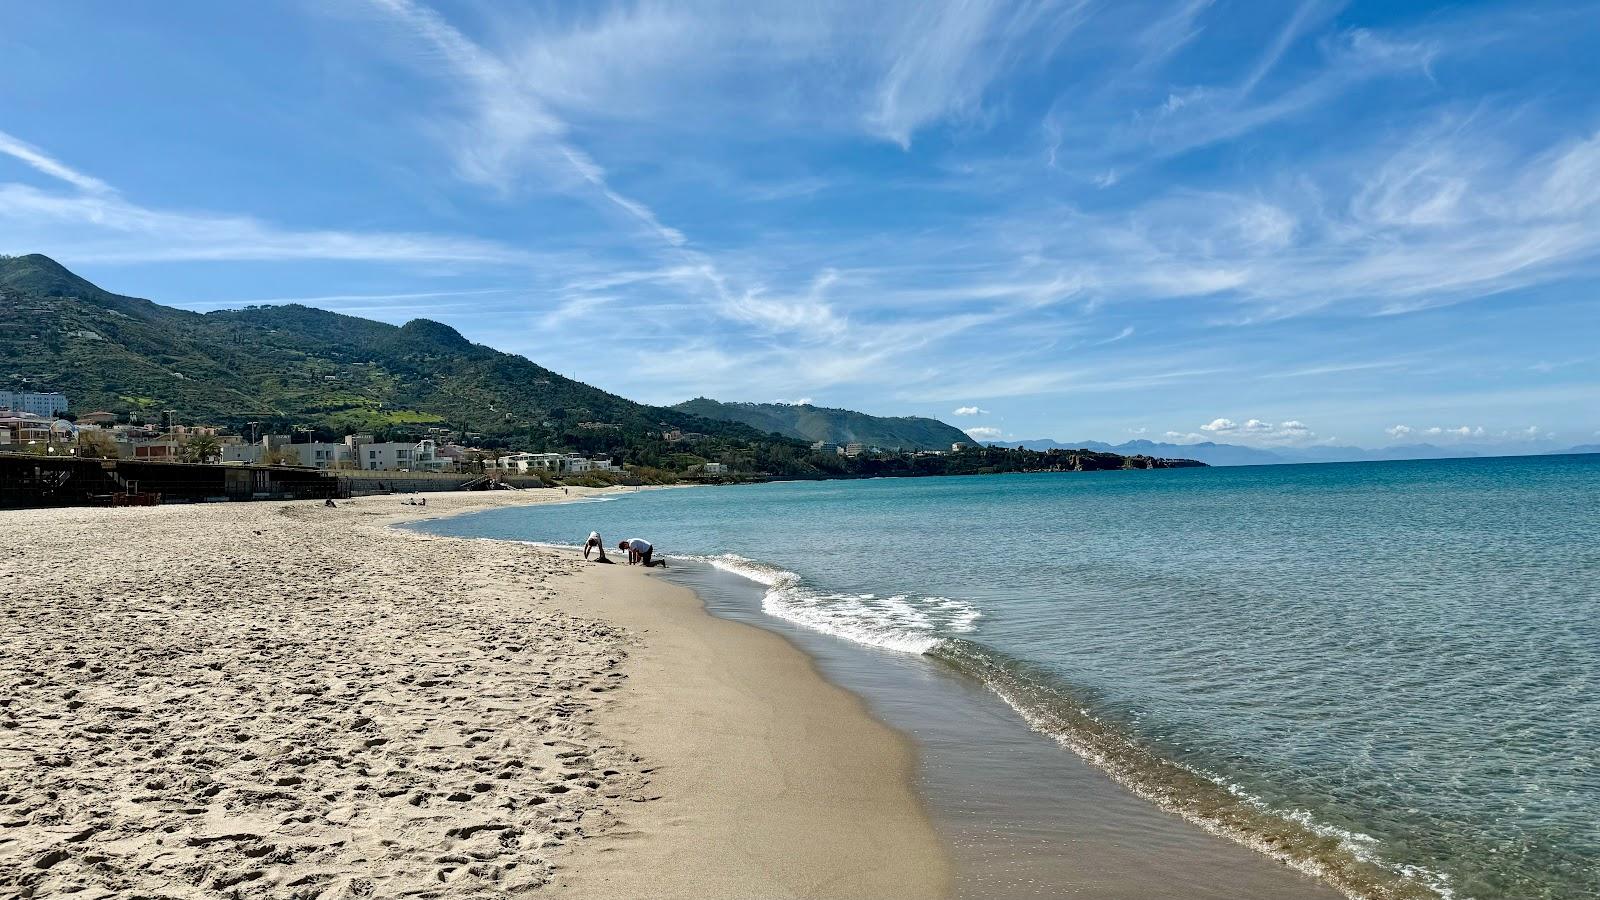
<point>1235,455</point>
<point>840,426</point>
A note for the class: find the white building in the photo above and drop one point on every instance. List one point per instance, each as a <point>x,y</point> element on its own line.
<point>523,463</point>
<point>712,468</point>
<point>35,404</point>
<point>827,447</point>
<point>404,457</point>
<point>554,463</point>
<point>249,454</point>
<point>320,455</point>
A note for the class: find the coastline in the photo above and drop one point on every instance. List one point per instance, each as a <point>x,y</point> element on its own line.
<point>278,698</point>
<point>773,781</point>
<point>1017,809</point>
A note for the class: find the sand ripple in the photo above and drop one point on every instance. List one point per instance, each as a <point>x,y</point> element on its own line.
<point>269,701</point>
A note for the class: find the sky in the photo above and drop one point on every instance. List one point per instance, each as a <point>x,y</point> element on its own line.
<point>1262,223</point>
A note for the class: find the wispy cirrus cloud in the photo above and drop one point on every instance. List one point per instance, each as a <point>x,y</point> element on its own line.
<point>96,223</point>
<point>55,168</point>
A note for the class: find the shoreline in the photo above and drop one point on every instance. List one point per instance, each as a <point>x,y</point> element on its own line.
<point>1020,789</point>
<point>277,698</point>
<point>774,782</point>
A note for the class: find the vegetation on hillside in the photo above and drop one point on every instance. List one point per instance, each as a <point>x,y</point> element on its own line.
<point>805,422</point>
<point>276,369</point>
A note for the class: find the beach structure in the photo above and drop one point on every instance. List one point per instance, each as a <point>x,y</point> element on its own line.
<point>65,480</point>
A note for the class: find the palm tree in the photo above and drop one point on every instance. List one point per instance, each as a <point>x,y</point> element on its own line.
<point>202,448</point>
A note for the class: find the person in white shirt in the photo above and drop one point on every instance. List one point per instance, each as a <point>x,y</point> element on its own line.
<point>594,543</point>
<point>639,551</point>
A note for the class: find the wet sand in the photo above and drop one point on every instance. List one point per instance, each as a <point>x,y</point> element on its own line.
<point>1024,816</point>
<point>284,700</point>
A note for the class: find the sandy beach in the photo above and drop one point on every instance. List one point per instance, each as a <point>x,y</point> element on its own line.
<point>284,700</point>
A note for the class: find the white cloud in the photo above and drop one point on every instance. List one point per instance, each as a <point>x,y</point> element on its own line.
<point>1458,432</point>
<point>47,164</point>
<point>1289,431</point>
<point>1398,431</point>
<point>984,433</point>
<point>944,59</point>
<point>104,227</point>
<point>968,411</point>
<point>97,224</point>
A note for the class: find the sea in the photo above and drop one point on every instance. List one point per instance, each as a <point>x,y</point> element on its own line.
<point>1380,674</point>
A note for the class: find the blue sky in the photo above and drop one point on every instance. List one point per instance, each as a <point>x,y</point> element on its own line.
<point>1262,223</point>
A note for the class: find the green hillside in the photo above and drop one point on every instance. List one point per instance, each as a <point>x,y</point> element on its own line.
<point>283,367</point>
<point>841,426</point>
<point>294,365</point>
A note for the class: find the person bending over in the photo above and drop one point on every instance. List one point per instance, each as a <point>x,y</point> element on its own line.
<point>594,543</point>
<point>639,551</point>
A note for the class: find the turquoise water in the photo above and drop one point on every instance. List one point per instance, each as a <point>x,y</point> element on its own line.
<point>1383,673</point>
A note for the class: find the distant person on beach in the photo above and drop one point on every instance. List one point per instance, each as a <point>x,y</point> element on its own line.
<point>639,551</point>
<point>594,543</point>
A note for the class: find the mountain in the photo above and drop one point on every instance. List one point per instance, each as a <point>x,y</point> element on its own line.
<point>1235,455</point>
<point>805,422</point>
<point>1581,448</point>
<point>291,364</point>
<point>1211,454</point>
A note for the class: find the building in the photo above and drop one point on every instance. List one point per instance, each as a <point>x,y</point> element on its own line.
<point>715,468</point>
<point>169,449</point>
<point>396,456</point>
<point>33,404</point>
<point>827,447</point>
<point>318,455</point>
<point>99,417</point>
<point>854,449</point>
<point>554,463</point>
<point>523,463</point>
<point>26,428</point>
<point>958,446</point>
<point>248,454</point>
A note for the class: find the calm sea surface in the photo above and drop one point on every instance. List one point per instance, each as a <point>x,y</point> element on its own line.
<point>1384,673</point>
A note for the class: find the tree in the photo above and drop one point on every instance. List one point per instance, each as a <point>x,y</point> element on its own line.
<point>202,448</point>
<point>96,445</point>
<point>281,457</point>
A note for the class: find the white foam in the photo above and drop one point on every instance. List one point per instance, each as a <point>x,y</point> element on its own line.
<point>903,623</point>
